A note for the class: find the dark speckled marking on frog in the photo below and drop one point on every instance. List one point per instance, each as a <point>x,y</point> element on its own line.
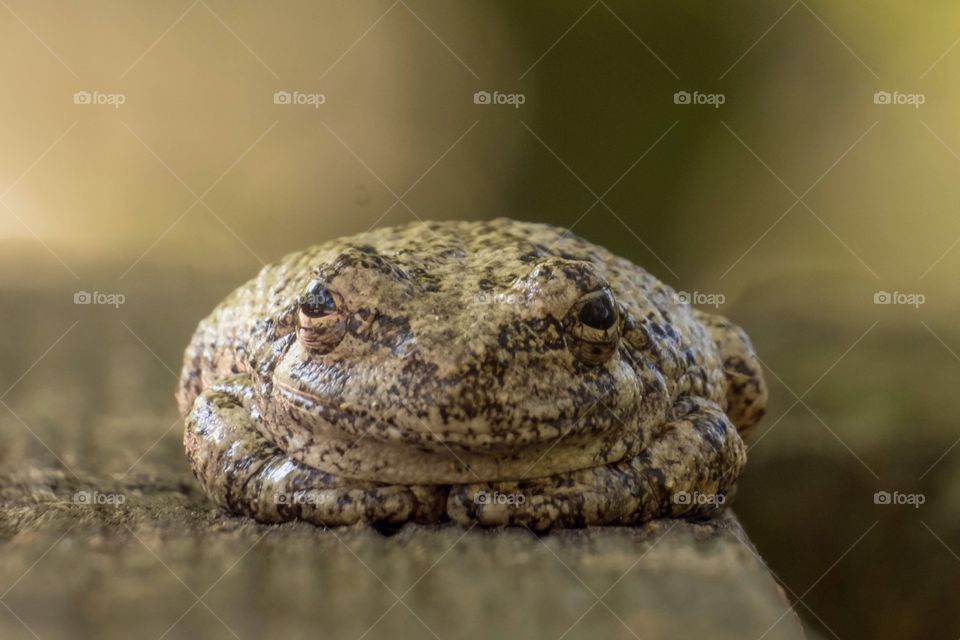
<point>498,372</point>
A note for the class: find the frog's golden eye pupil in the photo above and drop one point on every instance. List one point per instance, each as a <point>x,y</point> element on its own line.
<point>317,302</point>
<point>599,313</point>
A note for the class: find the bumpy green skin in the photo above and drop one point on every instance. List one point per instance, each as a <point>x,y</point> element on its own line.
<point>463,387</point>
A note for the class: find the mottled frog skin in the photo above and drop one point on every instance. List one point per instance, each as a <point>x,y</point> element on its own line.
<point>496,372</point>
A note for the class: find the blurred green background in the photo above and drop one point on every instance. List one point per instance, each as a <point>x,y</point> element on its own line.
<point>794,202</point>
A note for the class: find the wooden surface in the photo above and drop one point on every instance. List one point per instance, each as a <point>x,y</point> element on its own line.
<point>72,569</point>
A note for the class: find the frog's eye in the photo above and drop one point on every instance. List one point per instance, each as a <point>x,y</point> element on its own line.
<point>317,301</point>
<point>592,327</point>
<point>598,311</point>
<point>320,319</point>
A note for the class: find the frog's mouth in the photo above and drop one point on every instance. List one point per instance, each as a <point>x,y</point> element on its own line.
<point>357,444</point>
<point>330,414</point>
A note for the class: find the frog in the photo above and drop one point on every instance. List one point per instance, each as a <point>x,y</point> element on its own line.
<point>495,372</point>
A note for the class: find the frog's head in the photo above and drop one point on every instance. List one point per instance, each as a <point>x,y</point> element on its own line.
<point>486,360</point>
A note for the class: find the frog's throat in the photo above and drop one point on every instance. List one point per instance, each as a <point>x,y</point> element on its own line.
<point>378,454</point>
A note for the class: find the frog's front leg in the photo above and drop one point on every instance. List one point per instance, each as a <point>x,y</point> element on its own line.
<point>247,474</point>
<point>689,470</point>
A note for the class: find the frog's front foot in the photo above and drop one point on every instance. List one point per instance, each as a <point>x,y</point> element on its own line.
<point>689,470</point>
<point>246,473</point>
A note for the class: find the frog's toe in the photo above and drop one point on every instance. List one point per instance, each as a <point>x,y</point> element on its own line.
<point>539,504</point>
<point>331,502</point>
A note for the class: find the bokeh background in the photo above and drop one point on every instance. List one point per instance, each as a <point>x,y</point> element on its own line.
<point>789,207</point>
